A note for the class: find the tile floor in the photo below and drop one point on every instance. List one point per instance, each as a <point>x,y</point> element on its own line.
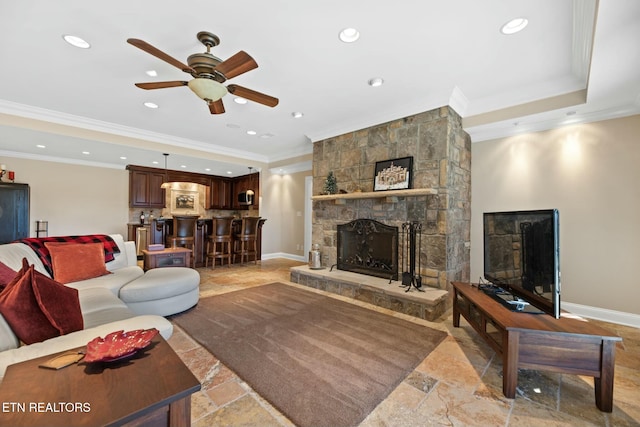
<point>458,384</point>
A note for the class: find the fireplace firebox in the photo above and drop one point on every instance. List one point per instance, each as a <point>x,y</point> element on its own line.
<point>368,247</point>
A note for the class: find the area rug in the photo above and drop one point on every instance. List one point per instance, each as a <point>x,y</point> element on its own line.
<point>318,360</point>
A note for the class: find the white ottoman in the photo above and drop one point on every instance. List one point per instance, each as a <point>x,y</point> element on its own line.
<point>162,291</point>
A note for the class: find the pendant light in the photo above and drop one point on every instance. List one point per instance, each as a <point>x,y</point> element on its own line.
<point>250,192</point>
<point>166,183</point>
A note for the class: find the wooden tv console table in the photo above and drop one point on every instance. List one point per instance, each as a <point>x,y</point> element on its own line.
<point>539,341</point>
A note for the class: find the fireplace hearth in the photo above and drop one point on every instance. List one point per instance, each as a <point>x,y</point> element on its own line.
<point>368,247</point>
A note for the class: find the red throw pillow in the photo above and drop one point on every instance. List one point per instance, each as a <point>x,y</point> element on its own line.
<point>38,308</point>
<point>6,275</point>
<point>73,262</point>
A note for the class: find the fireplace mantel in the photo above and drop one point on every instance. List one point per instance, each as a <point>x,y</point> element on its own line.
<point>390,196</point>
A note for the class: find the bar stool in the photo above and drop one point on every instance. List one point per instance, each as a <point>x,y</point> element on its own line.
<point>184,230</point>
<point>247,239</point>
<point>222,235</point>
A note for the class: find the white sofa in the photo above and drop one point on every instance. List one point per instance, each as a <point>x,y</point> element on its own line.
<point>126,299</point>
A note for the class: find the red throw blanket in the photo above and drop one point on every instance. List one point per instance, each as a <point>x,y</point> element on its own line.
<point>37,244</point>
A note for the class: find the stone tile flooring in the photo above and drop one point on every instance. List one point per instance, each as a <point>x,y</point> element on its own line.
<point>458,384</point>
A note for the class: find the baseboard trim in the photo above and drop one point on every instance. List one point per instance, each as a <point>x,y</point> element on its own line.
<point>284,255</point>
<point>613,316</point>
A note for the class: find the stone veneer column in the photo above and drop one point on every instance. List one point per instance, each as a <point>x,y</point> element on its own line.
<point>441,153</point>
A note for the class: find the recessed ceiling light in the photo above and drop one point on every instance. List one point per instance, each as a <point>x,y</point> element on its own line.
<point>76,41</point>
<point>229,173</point>
<point>297,114</point>
<point>239,100</point>
<point>151,73</point>
<point>514,26</point>
<point>151,105</point>
<point>349,35</point>
<point>155,162</point>
<point>86,153</point>
<point>123,158</point>
<point>207,169</point>
<point>183,166</point>
<point>251,132</point>
<point>375,82</point>
<point>41,146</point>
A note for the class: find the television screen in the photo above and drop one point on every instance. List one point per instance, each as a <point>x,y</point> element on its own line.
<point>522,256</point>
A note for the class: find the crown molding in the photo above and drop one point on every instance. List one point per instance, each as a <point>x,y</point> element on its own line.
<point>458,101</point>
<point>584,23</point>
<point>50,116</point>
<point>54,159</point>
<point>292,168</point>
<point>506,129</point>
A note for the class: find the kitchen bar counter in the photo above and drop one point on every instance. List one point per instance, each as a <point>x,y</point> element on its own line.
<point>159,231</point>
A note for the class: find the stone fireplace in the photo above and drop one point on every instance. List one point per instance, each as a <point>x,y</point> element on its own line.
<point>441,152</point>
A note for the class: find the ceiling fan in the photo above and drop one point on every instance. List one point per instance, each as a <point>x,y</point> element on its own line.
<point>208,72</point>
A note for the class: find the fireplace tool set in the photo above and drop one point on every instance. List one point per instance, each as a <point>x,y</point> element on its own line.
<point>411,235</point>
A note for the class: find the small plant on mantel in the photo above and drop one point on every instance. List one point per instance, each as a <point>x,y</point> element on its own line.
<point>330,184</point>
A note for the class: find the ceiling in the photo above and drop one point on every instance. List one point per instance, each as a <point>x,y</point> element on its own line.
<point>576,61</point>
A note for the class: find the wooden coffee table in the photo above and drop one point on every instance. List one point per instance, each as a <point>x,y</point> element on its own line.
<point>152,388</point>
<point>168,257</point>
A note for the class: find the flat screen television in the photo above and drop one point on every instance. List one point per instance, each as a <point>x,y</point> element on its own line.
<point>522,256</point>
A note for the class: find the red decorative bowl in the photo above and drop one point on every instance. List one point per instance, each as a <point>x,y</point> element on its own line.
<point>118,345</point>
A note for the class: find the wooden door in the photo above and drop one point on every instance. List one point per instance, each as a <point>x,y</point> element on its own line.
<point>14,212</point>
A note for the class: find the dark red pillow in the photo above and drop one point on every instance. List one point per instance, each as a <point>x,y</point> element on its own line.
<point>6,275</point>
<point>38,308</point>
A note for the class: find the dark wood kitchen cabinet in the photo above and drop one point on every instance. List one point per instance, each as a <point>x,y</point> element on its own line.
<point>145,189</point>
<point>220,193</point>
<point>243,183</point>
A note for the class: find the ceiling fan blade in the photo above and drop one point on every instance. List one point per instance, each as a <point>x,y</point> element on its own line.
<point>216,107</point>
<point>140,44</point>
<point>252,95</point>
<point>238,64</point>
<point>161,85</point>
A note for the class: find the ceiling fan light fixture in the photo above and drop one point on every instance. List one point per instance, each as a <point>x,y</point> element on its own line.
<point>207,89</point>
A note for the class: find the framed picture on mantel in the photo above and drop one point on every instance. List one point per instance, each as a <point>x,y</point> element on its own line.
<point>396,174</point>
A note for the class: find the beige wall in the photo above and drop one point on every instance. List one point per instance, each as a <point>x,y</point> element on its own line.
<point>74,199</point>
<point>283,205</point>
<point>591,173</point>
